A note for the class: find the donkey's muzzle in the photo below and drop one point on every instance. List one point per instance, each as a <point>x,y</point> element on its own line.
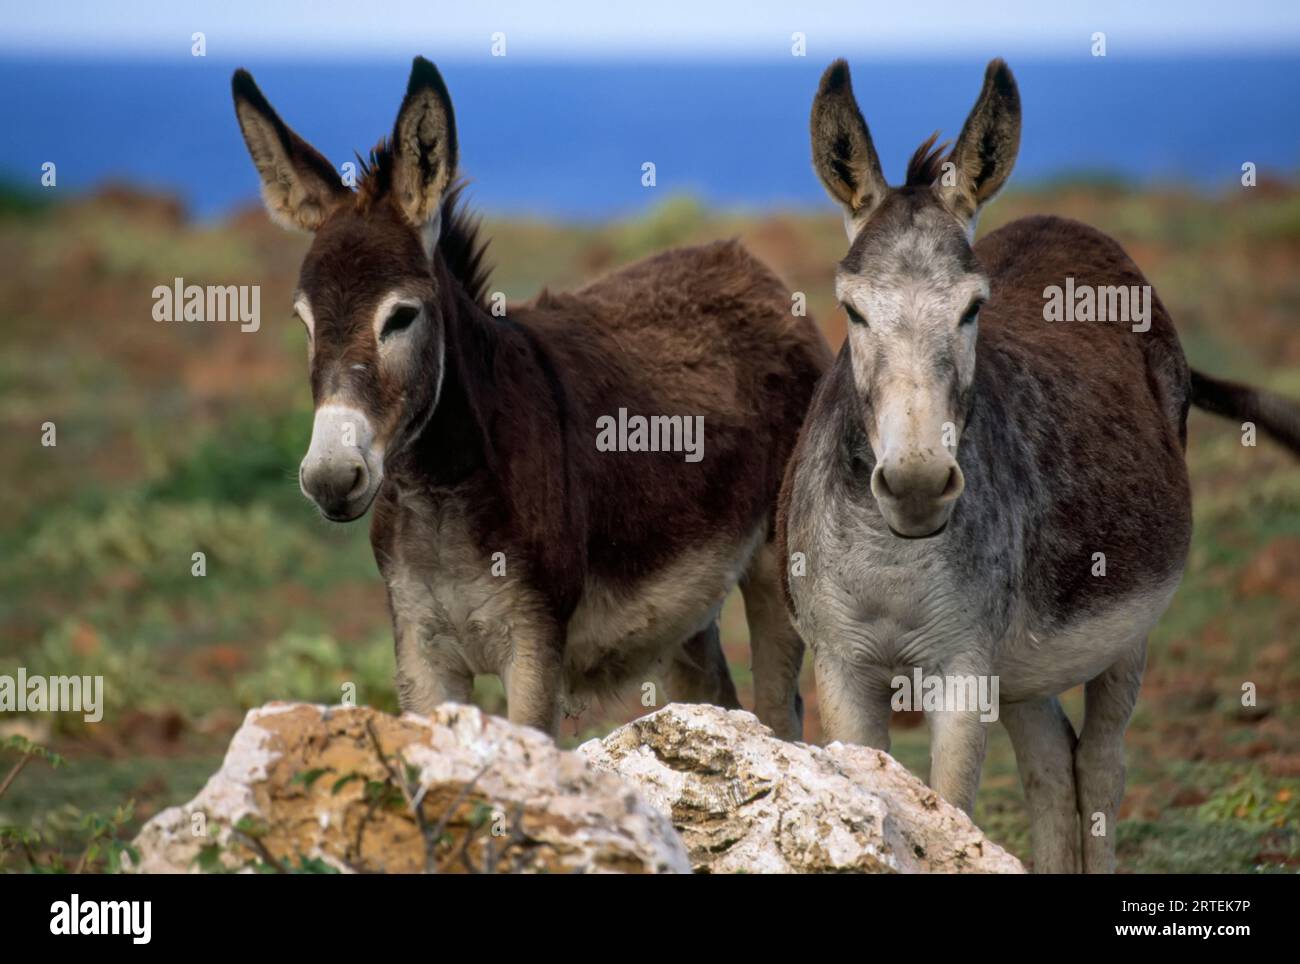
<point>336,486</point>
<point>916,496</point>
<point>342,471</point>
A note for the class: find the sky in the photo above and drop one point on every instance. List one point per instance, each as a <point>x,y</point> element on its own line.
<point>646,29</point>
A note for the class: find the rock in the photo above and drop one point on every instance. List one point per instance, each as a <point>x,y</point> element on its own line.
<point>309,788</point>
<point>745,801</point>
<point>304,788</point>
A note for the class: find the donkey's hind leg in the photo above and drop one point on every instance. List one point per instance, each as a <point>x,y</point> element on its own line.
<point>775,646</point>
<point>1044,742</point>
<point>698,672</point>
<point>1099,757</point>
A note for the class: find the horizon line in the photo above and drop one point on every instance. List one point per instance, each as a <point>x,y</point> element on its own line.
<point>559,56</point>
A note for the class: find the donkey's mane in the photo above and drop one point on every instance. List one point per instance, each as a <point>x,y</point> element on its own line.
<point>462,248</point>
<point>927,163</point>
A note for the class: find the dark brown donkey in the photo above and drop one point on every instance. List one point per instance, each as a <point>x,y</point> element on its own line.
<point>1015,516</point>
<point>563,495</point>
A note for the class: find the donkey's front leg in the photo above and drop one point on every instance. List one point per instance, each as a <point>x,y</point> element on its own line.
<point>957,742</point>
<point>958,737</point>
<point>854,706</point>
<point>427,675</point>
<point>533,677</point>
<point>431,669</point>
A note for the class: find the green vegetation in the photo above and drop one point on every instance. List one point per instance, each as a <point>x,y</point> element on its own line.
<point>178,438</point>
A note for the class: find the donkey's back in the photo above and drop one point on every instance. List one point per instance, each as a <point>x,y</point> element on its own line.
<point>713,308</point>
<point>702,332</point>
<point>1032,258</point>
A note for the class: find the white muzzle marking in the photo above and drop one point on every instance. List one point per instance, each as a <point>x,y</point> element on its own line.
<point>343,466</point>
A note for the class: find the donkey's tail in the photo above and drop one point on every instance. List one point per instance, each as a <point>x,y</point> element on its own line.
<point>1278,416</point>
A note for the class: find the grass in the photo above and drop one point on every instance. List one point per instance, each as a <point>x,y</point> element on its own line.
<point>174,439</point>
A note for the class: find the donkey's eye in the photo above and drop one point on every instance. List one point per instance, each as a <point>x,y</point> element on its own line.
<point>854,317</point>
<point>399,320</point>
<point>972,313</point>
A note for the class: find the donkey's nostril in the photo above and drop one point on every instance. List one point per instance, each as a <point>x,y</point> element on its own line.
<point>880,483</point>
<point>359,480</point>
<point>955,485</point>
<point>917,480</point>
<point>332,482</point>
<point>916,495</point>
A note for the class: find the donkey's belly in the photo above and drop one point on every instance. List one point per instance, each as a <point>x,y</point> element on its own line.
<point>1033,664</point>
<point>621,634</point>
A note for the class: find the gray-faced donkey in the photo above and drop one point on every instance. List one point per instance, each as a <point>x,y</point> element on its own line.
<point>990,485</point>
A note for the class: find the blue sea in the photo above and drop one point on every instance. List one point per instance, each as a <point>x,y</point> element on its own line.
<point>569,140</point>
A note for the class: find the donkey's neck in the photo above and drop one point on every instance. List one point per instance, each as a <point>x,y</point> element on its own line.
<point>480,388</point>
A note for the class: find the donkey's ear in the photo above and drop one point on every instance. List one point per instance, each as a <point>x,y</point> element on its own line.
<point>986,150</point>
<point>424,148</point>
<point>298,185</point>
<point>843,155</point>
